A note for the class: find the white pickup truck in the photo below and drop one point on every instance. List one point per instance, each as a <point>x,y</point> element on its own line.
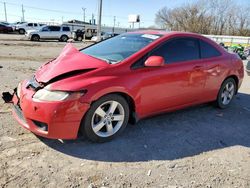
<point>61,33</point>
<point>24,27</point>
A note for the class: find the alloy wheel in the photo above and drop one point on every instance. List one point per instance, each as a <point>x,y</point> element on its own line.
<point>227,93</point>
<point>108,118</point>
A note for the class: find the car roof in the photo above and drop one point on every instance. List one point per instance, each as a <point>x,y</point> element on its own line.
<point>165,33</point>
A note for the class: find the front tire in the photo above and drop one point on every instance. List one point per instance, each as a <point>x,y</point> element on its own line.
<point>35,37</point>
<point>226,93</point>
<point>106,118</point>
<point>21,31</point>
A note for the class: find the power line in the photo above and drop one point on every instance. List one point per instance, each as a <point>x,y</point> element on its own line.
<point>67,12</point>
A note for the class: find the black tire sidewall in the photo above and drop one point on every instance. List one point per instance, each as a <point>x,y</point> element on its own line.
<point>86,127</point>
<point>66,37</point>
<point>79,38</point>
<point>35,38</point>
<point>21,31</point>
<point>219,101</point>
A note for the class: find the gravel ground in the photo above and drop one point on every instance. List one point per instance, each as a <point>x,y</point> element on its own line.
<point>200,146</point>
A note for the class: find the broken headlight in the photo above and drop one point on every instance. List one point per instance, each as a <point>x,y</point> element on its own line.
<point>49,95</point>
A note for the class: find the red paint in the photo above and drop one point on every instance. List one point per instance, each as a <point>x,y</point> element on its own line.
<point>153,89</point>
<point>69,60</point>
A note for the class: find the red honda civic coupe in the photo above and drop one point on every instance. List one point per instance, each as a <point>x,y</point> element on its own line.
<point>98,89</point>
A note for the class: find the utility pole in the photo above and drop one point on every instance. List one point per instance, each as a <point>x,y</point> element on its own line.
<point>5,12</point>
<point>83,9</point>
<point>114,24</point>
<point>93,19</point>
<point>23,13</point>
<point>114,20</point>
<point>99,26</point>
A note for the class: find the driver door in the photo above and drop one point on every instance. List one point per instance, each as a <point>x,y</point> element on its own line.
<point>45,32</point>
<point>178,83</point>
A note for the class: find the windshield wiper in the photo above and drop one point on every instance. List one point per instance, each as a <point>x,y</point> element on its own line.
<point>109,61</point>
<point>112,60</point>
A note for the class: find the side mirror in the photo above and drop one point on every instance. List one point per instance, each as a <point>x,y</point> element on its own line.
<point>154,61</point>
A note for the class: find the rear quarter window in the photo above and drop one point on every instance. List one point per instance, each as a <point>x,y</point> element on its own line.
<point>65,29</point>
<point>207,50</point>
<point>54,28</point>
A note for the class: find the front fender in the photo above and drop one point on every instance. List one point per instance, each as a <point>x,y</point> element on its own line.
<point>95,95</point>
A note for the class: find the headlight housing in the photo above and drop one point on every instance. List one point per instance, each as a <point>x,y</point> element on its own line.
<point>49,95</point>
<point>46,95</point>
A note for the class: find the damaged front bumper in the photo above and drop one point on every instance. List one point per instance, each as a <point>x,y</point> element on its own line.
<point>7,96</point>
<point>56,120</point>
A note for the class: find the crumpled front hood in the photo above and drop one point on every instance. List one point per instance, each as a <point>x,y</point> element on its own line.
<point>70,60</point>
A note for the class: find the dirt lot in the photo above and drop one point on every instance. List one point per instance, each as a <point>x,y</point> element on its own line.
<point>197,147</point>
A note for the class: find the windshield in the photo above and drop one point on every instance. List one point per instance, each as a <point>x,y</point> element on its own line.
<point>118,48</point>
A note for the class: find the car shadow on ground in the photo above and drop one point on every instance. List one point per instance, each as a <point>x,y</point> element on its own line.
<point>170,136</point>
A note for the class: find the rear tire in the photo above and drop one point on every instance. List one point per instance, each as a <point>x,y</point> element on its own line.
<point>79,38</point>
<point>106,118</point>
<point>64,38</point>
<point>226,93</point>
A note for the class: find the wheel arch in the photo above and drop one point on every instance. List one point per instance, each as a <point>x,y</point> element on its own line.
<point>132,106</point>
<point>236,79</point>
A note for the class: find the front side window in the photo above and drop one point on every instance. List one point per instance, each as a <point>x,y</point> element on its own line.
<point>120,47</point>
<point>54,28</point>
<point>207,50</point>
<point>45,29</point>
<point>178,50</point>
<point>30,24</point>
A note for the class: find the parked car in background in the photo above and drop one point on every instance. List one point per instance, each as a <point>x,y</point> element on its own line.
<point>15,24</point>
<point>61,33</point>
<point>248,68</point>
<point>104,36</point>
<point>89,33</point>
<point>5,28</point>
<point>98,89</point>
<point>78,35</point>
<point>22,28</point>
<point>4,23</point>
<point>247,51</point>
